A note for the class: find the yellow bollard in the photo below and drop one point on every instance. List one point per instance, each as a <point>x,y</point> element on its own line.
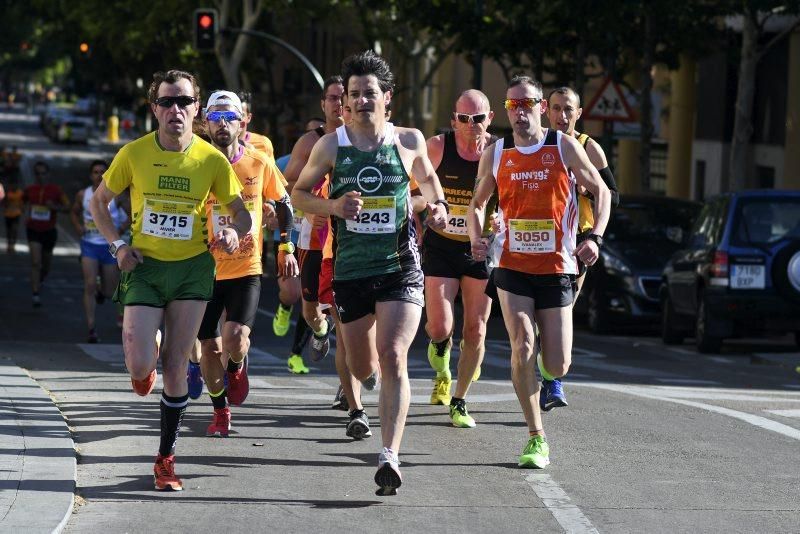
<point>113,129</point>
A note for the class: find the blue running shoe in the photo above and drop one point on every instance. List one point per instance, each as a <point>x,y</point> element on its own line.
<point>195,380</point>
<point>552,395</point>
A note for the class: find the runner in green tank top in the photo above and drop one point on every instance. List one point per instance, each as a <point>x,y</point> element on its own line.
<point>377,277</point>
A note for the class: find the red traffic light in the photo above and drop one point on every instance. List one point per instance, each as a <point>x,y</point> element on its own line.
<point>84,47</point>
<point>205,21</point>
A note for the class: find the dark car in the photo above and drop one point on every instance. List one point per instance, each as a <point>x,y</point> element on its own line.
<point>740,272</point>
<point>642,233</point>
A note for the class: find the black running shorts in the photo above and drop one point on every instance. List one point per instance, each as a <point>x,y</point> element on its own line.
<point>356,298</point>
<point>238,297</point>
<point>310,265</point>
<point>546,290</point>
<point>447,258</point>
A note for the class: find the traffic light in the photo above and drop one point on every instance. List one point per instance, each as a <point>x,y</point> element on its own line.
<point>205,29</point>
<point>84,48</point>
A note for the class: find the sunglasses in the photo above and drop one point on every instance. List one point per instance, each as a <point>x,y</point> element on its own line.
<point>169,101</point>
<point>228,116</point>
<point>467,118</point>
<point>517,103</point>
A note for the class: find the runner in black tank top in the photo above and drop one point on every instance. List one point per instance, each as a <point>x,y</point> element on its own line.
<point>447,261</point>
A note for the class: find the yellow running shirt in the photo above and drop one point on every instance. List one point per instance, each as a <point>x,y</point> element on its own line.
<point>261,181</point>
<point>169,192</point>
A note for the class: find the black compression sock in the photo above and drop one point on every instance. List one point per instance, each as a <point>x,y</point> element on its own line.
<point>220,401</point>
<point>172,410</point>
<point>302,333</point>
<point>234,366</point>
<point>441,346</point>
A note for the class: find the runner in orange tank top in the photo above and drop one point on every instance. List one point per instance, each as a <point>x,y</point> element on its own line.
<point>535,171</point>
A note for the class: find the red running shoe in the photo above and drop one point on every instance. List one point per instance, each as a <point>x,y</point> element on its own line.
<point>144,387</point>
<point>221,425</point>
<point>238,385</point>
<point>164,474</point>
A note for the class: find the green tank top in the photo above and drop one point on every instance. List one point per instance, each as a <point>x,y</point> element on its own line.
<point>383,239</point>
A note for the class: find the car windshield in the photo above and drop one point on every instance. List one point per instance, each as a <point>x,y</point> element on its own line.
<point>639,221</point>
<point>766,220</point>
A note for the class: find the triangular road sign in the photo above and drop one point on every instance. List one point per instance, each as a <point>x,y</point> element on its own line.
<point>609,104</point>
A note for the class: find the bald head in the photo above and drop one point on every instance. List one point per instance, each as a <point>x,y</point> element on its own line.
<point>472,101</point>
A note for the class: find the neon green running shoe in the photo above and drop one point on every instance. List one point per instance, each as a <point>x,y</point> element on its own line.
<point>280,323</point>
<point>460,416</point>
<point>536,454</point>
<point>477,374</point>
<point>441,390</point>
<point>440,364</point>
<point>296,365</point>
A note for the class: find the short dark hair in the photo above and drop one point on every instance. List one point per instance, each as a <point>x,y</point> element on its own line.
<point>333,80</point>
<point>521,79</point>
<point>95,162</point>
<point>569,92</point>
<point>171,76</point>
<point>366,63</point>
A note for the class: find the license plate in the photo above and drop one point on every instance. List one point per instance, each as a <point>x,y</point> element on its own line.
<point>747,277</point>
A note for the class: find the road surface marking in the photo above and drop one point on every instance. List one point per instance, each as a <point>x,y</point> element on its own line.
<point>689,381</point>
<point>559,504</point>
<point>785,413</point>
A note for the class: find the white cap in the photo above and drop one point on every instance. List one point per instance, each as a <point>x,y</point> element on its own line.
<point>224,98</point>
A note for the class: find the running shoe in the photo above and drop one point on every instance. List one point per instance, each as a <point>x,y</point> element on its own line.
<point>320,346</point>
<point>536,454</point>
<point>144,387</point>
<point>296,365</point>
<point>340,400</point>
<point>221,425</point>
<point>388,476</point>
<point>460,416</point>
<point>280,323</point>
<point>552,395</point>
<point>358,427</point>
<point>99,297</point>
<point>371,382</point>
<point>92,336</point>
<point>441,391</point>
<point>164,472</point>
<point>37,301</point>
<point>440,364</point>
<point>195,380</point>
<point>238,384</point>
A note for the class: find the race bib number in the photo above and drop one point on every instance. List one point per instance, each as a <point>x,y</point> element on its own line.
<point>168,219</point>
<point>91,227</point>
<point>40,213</point>
<point>297,220</point>
<point>457,220</point>
<point>532,236</point>
<point>221,219</point>
<point>377,216</point>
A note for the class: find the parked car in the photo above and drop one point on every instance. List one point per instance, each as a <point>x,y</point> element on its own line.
<point>72,129</point>
<point>642,233</point>
<point>740,273</point>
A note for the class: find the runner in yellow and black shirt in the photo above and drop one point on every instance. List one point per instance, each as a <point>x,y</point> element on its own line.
<point>168,272</point>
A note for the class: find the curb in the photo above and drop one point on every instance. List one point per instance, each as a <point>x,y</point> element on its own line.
<point>38,463</point>
<point>790,361</point>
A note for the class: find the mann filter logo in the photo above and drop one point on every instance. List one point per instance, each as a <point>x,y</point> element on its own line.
<point>369,179</point>
<point>176,183</point>
<point>548,160</point>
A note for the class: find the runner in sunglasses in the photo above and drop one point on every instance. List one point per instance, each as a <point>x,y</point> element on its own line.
<point>447,261</point>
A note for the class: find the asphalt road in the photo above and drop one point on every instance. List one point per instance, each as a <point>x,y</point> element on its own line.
<point>656,439</point>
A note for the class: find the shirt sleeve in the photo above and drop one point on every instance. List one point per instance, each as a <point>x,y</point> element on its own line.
<point>226,185</point>
<point>273,185</point>
<point>119,174</point>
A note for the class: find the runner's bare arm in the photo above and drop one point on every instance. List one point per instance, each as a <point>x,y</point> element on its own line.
<point>485,184</point>
<point>98,206</point>
<point>425,175</point>
<point>300,154</point>
<point>435,150</point>
<point>76,214</point>
<point>320,162</point>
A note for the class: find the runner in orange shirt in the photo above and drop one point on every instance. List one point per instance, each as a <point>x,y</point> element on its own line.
<point>238,279</point>
<point>535,172</point>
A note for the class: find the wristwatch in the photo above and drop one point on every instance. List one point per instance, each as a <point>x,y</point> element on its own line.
<point>444,203</point>
<point>597,238</point>
<point>287,247</point>
<point>114,247</point>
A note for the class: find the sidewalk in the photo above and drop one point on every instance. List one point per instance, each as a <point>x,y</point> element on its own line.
<point>37,456</point>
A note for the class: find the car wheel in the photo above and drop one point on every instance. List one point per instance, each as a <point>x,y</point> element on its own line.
<point>597,312</point>
<point>786,270</point>
<point>706,343</point>
<point>670,335</point>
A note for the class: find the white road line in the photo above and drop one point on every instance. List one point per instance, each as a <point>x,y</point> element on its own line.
<point>559,504</point>
<point>785,413</point>
<point>688,381</point>
<point>755,420</point>
<point>720,359</point>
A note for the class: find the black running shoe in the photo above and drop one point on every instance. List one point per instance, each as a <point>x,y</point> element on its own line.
<point>358,427</point>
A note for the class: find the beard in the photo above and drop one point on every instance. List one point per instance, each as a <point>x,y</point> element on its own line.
<point>223,140</point>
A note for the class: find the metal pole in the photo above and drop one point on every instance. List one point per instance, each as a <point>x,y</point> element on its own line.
<point>287,46</point>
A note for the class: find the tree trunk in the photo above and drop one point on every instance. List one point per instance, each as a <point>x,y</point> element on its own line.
<point>580,75</point>
<point>230,64</point>
<point>646,104</point>
<point>745,96</point>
